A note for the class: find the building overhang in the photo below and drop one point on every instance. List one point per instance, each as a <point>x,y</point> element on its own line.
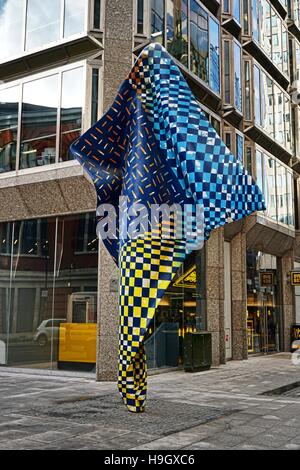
<point>293,28</point>
<point>280,8</point>
<point>265,141</point>
<point>61,188</point>
<point>265,61</point>
<point>263,234</point>
<point>61,52</point>
<point>232,26</point>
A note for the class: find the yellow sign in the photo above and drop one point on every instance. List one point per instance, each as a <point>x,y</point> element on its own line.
<point>188,279</point>
<point>77,342</point>
<point>295,278</point>
<point>266,279</point>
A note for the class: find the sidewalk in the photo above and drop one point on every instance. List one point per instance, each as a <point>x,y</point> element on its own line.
<point>229,407</point>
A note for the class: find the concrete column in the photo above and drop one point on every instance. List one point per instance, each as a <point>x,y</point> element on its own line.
<point>287,296</point>
<point>239,297</point>
<point>118,45</point>
<point>214,281</point>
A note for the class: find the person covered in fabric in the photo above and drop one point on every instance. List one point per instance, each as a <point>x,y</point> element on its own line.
<point>155,146</point>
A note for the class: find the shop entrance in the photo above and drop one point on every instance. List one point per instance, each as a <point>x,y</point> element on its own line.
<point>263,313</point>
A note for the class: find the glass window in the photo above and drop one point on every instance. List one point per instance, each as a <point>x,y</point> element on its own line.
<point>12,27</point>
<point>259,169</point>
<point>257,95</point>
<point>267,100</point>
<point>46,321</point>
<point>177,30</point>
<point>236,10</point>
<point>140,16</point>
<point>255,20</point>
<point>43,22</point>
<point>9,108</point>
<point>290,197</point>
<point>74,17</point>
<point>157,20</point>
<point>279,114</point>
<point>199,41</point>
<point>39,120</point>
<point>239,143</point>
<point>227,71</point>
<point>226,6</point>
<point>247,91</point>
<point>246,16</point>
<point>95,96</point>
<point>97,14</point>
<point>249,160</point>
<point>71,110</point>
<point>287,122</point>
<point>270,187</point>
<point>214,35</point>
<point>237,77</point>
<point>276,39</point>
<point>216,124</point>
<point>265,26</point>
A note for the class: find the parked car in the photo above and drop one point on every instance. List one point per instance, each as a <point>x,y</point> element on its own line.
<point>46,329</point>
<point>295,345</point>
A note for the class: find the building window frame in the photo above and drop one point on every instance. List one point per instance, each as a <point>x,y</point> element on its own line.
<point>32,78</point>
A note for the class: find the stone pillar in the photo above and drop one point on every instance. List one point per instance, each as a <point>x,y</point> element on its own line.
<point>118,45</point>
<point>239,297</point>
<point>287,300</point>
<point>214,281</point>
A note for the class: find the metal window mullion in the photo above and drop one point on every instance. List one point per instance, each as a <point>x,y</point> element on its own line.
<point>62,19</point>
<point>165,43</point>
<point>25,25</point>
<point>53,289</point>
<point>19,128</point>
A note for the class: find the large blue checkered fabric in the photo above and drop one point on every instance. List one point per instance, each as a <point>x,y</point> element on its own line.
<point>155,146</point>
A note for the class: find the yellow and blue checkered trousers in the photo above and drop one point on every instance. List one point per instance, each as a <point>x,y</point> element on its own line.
<point>148,265</point>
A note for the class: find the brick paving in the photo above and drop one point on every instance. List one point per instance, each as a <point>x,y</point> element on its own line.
<point>241,405</point>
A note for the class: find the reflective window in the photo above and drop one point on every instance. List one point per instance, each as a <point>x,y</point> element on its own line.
<point>270,187</point>
<point>43,22</point>
<point>43,100</point>
<point>276,181</point>
<point>259,170</point>
<point>227,90</point>
<point>247,99</point>
<point>74,17</point>
<point>257,95</point>
<point>47,321</point>
<point>199,41</point>
<point>30,24</point>
<point>236,10</point>
<point>246,16</point>
<point>226,6</point>
<point>239,144</point>
<point>214,50</point>
<point>12,27</point>
<point>177,30</point>
<point>237,77</point>
<point>71,110</point>
<point>9,108</point>
<point>39,122</point>
<point>157,20</point>
<point>255,20</point>
<point>276,38</point>
<point>140,16</point>
<point>272,109</point>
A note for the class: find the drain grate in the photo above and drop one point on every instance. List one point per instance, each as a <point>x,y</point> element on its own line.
<point>290,390</point>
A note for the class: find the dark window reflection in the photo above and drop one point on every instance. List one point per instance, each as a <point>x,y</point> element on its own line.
<point>199,41</point>
<point>177,30</point>
<point>9,108</point>
<point>71,110</point>
<point>157,20</point>
<point>39,118</point>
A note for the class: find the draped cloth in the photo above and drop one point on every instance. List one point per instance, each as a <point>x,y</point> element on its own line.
<point>155,146</point>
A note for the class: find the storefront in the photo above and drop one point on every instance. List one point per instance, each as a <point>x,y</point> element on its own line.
<point>263,311</point>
